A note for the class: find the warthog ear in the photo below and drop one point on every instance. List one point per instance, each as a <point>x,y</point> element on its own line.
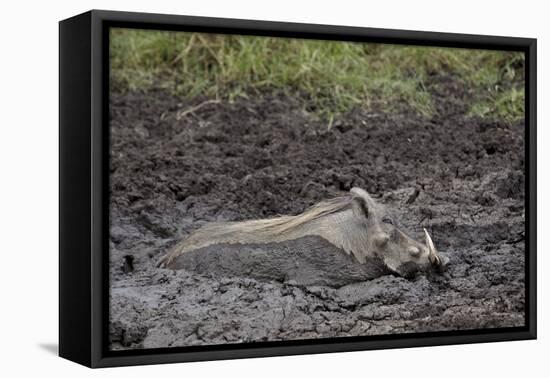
<point>361,202</point>
<point>360,207</point>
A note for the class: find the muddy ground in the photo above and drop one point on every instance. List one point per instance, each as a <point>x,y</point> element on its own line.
<point>175,166</point>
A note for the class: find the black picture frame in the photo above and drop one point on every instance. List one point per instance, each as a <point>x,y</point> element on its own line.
<point>83,179</point>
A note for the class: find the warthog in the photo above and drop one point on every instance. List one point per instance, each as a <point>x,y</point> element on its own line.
<point>353,223</point>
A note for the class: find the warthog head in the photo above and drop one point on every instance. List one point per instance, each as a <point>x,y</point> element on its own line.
<point>387,241</point>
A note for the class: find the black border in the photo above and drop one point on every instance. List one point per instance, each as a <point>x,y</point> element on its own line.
<point>74,189</point>
<point>84,245</point>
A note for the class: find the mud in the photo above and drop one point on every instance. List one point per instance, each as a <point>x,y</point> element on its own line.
<point>173,170</point>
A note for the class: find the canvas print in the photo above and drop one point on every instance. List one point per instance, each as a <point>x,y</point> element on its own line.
<point>275,189</point>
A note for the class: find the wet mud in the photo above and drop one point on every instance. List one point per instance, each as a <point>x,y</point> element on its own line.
<point>178,163</point>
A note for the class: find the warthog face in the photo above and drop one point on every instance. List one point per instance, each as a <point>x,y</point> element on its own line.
<point>400,253</point>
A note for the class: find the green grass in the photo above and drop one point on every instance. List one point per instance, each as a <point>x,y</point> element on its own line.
<point>333,76</point>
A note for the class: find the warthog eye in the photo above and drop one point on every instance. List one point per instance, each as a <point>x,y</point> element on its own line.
<point>387,220</point>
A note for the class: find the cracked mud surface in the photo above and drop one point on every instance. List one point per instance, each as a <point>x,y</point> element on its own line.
<point>460,178</point>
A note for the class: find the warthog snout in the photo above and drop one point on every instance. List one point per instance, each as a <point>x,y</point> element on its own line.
<point>445,261</point>
<point>421,257</point>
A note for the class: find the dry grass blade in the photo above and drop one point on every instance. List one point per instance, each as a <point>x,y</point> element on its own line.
<point>183,113</point>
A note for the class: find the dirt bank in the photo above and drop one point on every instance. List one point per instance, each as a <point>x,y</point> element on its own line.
<point>173,170</point>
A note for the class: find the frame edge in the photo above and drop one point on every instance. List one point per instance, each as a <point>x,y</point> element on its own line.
<point>75,276</point>
<point>531,181</point>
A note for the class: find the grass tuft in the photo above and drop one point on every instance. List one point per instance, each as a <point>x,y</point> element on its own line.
<point>334,76</point>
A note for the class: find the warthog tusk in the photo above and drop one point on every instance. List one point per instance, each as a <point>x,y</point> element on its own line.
<point>431,248</point>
